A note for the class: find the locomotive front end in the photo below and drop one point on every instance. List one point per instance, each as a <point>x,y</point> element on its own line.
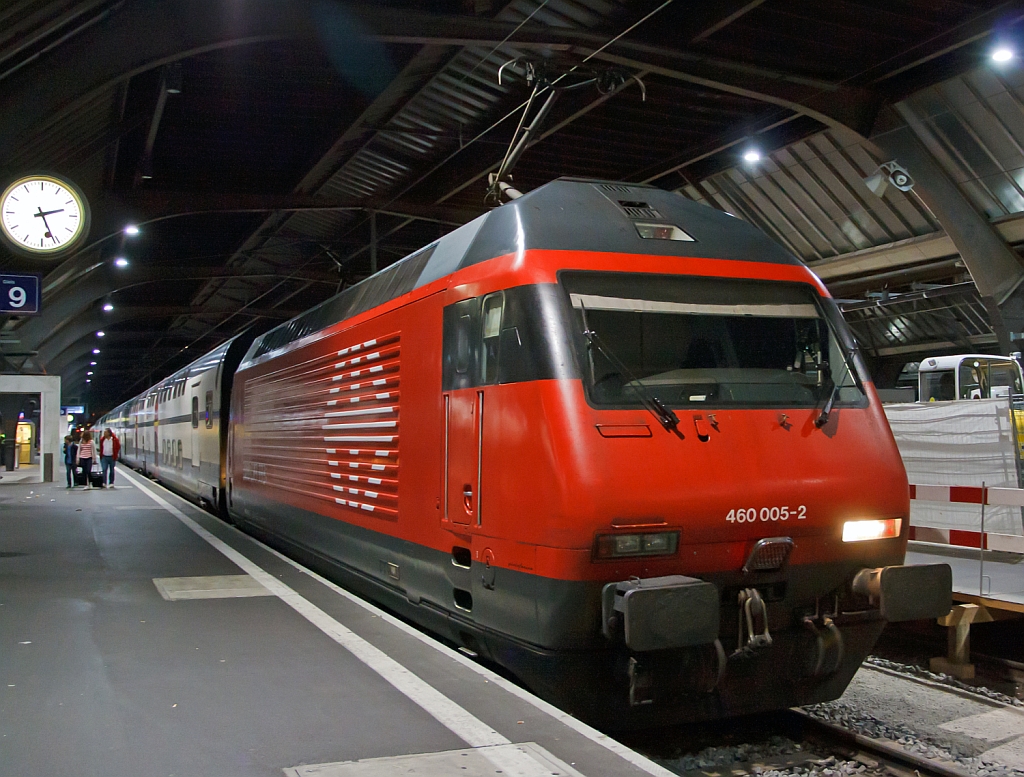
<point>750,505</point>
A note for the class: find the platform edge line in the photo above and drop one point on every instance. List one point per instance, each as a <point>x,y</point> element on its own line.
<point>589,732</point>
<point>452,716</point>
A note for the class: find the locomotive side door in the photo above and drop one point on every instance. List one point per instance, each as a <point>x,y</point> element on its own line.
<point>463,406</point>
<point>472,330</point>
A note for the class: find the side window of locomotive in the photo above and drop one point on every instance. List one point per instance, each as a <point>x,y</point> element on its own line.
<point>463,333</point>
<point>493,306</point>
<point>461,344</point>
<point>209,409</point>
<point>195,412</point>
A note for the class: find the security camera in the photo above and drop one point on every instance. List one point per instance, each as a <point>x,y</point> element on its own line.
<point>899,177</point>
<point>889,173</point>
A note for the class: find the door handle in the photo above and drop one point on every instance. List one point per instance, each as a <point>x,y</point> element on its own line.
<point>467,497</point>
<point>703,433</point>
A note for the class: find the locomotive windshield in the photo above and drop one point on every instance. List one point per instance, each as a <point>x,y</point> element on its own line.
<point>696,342</point>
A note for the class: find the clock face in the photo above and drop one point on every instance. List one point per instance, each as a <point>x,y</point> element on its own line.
<point>42,215</point>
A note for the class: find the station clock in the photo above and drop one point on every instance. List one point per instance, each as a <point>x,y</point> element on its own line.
<point>43,215</point>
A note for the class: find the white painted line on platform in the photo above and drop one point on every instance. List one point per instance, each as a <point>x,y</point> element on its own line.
<point>527,759</point>
<point>992,726</point>
<point>626,753</point>
<point>470,729</point>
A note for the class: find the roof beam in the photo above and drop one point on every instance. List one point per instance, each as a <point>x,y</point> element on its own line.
<point>113,51</point>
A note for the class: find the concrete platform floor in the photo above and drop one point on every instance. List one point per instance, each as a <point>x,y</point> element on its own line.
<point>142,637</point>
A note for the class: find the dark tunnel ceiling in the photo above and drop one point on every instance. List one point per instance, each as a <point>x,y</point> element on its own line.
<point>289,111</point>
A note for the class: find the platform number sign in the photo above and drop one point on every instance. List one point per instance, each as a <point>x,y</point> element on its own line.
<point>19,294</point>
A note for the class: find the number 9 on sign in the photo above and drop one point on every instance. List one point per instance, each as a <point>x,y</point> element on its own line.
<point>19,294</point>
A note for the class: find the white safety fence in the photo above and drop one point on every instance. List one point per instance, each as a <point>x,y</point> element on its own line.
<point>960,444</point>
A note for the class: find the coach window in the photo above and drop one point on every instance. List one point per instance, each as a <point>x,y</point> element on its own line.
<point>492,310</point>
<point>195,412</point>
<point>209,409</point>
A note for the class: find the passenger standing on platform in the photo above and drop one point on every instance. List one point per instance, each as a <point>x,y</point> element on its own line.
<point>85,455</point>
<point>70,449</point>
<point>110,446</point>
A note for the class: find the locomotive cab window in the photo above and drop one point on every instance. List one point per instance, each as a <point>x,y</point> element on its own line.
<point>195,412</point>
<point>708,342</point>
<point>209,410</point>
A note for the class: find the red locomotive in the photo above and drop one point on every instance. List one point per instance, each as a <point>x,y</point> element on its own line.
<point>620,443</point>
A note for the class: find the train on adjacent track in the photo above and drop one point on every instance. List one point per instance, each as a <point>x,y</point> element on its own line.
<point>620,443</point>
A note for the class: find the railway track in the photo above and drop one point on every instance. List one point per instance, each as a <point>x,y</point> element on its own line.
<point>791,743</point>
<point>877,755</point>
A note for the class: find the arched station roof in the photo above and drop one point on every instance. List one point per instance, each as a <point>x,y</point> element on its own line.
<point>273,152</point>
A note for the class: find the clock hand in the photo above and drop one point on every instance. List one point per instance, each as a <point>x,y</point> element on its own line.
<point>40,214</point>
<point>49,212</point>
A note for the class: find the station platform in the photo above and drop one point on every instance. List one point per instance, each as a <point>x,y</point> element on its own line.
<point>997,581</point>
<point>143,637</point>
<point>26,473</point>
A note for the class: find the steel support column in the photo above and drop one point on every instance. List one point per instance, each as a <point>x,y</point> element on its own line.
<point>996,268</point>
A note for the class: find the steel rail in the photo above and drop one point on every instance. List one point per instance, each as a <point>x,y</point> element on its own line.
<point>885,751</point>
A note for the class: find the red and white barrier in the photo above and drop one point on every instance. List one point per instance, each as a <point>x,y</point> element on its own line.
<point>1007,497</point>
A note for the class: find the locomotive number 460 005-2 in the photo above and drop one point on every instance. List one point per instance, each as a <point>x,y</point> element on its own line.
<point>752,514</point>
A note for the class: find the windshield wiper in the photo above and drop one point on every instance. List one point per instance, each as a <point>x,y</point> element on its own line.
<point>665,415</point>
<point>833,392</point>
<point>826,411</point>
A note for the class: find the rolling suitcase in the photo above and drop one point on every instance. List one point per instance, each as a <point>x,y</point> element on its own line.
<point>96,478</point>
<point>79,476</point>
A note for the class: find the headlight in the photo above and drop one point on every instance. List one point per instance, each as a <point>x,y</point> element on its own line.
<point>857,531</point>
<point>626,545</point>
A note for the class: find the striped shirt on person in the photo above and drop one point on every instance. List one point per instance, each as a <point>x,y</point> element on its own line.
<point>86,450</point>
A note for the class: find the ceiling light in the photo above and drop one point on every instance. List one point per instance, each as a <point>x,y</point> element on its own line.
<point>89,373</point>
<point>96,350</point>
<point>1002,54</point>
<point>172,78</point>
<point>101,333</point>
<point>131,229</point>
<point>108,307</point>
<point>92,364</point>
<point>121,261</point>
<point>88,381</point>
<point>753,155</point>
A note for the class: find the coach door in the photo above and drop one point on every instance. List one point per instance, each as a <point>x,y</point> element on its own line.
<point>194,408</point>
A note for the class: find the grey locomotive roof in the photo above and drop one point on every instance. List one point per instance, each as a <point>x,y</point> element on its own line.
<point>568,214</point>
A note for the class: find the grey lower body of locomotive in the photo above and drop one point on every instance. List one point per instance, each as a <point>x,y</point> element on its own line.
<point>549,633</point>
